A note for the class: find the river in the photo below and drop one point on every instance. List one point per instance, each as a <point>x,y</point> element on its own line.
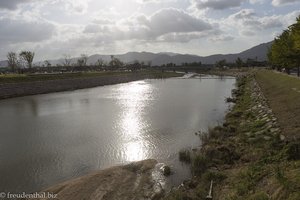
<point>50,138</point>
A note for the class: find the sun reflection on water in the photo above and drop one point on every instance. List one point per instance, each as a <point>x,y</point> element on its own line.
<point>134,98</point>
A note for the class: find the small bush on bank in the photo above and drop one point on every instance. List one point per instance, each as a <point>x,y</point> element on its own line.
<point>213,133</point>
<point>199,164</point>
<point>280,176</point>
<point>185,156</point>
<point>259,196</point>
<point>214,176</point>
<point>204,137</point>
<point>293,150</point>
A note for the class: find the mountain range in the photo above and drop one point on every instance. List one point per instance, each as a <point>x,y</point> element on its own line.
<point>258,53</point>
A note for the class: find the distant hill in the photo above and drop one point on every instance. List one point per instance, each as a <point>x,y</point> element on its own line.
<point>258,53</point>
<point>3,63</point>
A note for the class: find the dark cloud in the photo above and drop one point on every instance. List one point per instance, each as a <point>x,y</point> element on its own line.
<point>283,2</point>
<point>18,31</point>
<point>181,37</point>
<point>218,4</point>
<point>11,4</point>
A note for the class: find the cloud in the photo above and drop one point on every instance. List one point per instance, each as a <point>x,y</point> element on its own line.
<point>183,37</point>
<point>12,4</point>
<point>248,33</point>
<point>174,20</point>
<point>153,1</point>
<point>222,38</point>
<point>102,21</point>
<point>147,1</point>
<point>76,6</point>
<point>283,2</point>
<point>217,4</point>
<point>20,30</point>
<point>162,25</point>
<point>257,1</point>
<point>249,23</point>
<point>244,14</point>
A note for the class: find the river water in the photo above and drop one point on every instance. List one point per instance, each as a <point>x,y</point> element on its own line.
<point>50,138</point>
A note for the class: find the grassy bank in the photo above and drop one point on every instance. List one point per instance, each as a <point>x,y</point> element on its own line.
<point>18,78</point>
<point>247,157</point>
<point>23,85</point>
<point>283,94</point>
<point>225,72</point>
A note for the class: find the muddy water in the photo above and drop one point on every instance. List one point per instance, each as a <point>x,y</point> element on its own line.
<point>46,139</point>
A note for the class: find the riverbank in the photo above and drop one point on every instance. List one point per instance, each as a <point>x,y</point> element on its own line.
<point>226,72</point>
<point>23,85</point>
<point>249,156</point>
<point>284,97</point>
<point>138,180</point>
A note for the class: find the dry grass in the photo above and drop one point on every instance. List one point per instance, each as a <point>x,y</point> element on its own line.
<point>283,94</point>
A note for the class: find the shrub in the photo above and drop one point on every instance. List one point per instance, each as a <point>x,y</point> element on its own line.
<point>294,196</point>
<point>199,164</point>
<point>215,176</point>
<point>259,196</point>
<point>204,137</point>
<point>185,156</point>
<point>293,151</point>
<point>230,100</point>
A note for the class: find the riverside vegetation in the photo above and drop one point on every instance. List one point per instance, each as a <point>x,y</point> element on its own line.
<point>20,78</point>
<point>252,155</point>
<point>31,84</point>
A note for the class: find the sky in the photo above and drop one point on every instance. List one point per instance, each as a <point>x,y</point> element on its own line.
<point>55,28</point>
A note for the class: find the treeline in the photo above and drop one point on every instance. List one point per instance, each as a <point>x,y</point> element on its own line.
<point>284,53</point>
<point>15,61</point>
<point>239,63</point>
<point>23,63</point>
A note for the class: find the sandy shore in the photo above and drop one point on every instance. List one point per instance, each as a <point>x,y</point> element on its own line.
<point>133,181</point>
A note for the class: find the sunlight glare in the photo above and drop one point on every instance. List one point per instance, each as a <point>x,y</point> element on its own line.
<point>133,99</point>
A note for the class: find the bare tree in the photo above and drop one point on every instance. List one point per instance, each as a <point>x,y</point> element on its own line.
<point>27,56</point>
<point>149,63</point>
<point>47,63</point>
<point>115,62</point>
<point>239,62</point>
<point>100,62</point>
<point>12,60</point>
<point>82,61</point>
<point>67,60</point>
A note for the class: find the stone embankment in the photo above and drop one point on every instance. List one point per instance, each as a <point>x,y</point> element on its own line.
<point>263,114</point>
